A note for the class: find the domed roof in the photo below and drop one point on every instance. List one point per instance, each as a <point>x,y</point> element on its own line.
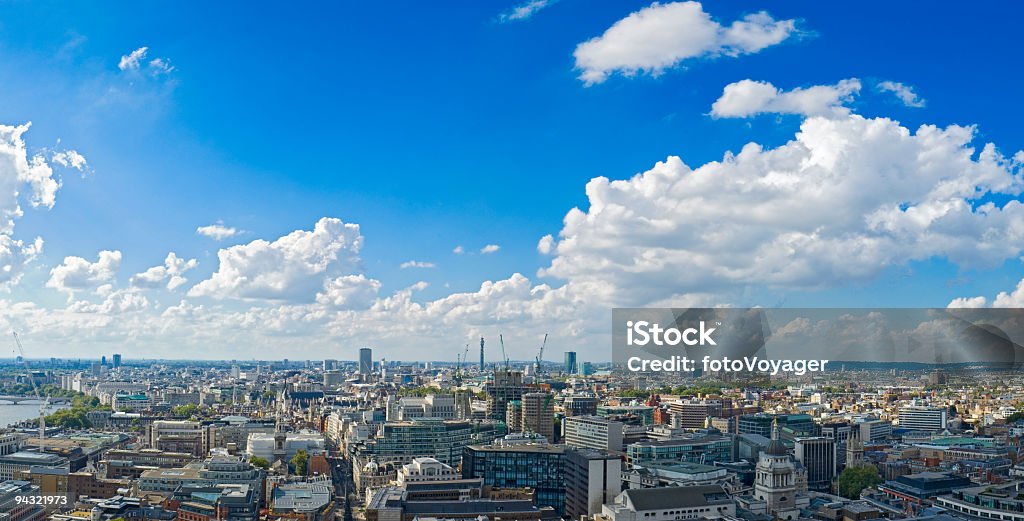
<point>777,448</point>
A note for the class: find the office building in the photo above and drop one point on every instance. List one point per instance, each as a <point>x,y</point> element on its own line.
<point>440,406</point>
<point>333,378</point>
<point>818,456</point>
<point>643,414</point>
<point>365,361</point>
<point>873,429</point>
<point>11,442</point>
<point>13,505</point>
<point>592,478</point>
<point>178,436</point>
<point>15,462</point>
<point>220,502</point>
<point>117,360</point>
<point>1002,502</point>
<point>694,414</point>
<point>309,501</point>
<point>463,499</point>
<point>792,424</point>
<point>519,461</point>
<point>580,406</point>
<point>539,415</point>
<point>593,432</point>
<point>443,440</point>
<point>923,418</point>
<point>570,363</point>
<point>669,504</point>
<point>841,432</point>
<point>264,445</point>
<point>514,416</point>
<point>701,447</point>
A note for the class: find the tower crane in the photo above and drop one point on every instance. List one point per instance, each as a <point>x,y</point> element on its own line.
<point>461,360</point>
<point>503,355</point>
<point>44,403</point>
<point>540,354</point>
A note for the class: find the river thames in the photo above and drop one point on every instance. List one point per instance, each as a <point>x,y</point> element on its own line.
<point>10,414</point>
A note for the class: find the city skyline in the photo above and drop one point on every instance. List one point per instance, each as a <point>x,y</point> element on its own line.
<point>508,169</point>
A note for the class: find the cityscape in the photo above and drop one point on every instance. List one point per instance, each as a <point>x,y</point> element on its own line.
<point>512,260</point>
<point>474,438</point>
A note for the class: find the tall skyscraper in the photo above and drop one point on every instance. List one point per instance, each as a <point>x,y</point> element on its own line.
<point>481,354</point>
<point>570,362</point>
<point>365,361</point>
<point>117,360</point>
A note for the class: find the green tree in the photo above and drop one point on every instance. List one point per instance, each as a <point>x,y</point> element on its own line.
<point>300,461</point>
<point>259,462</point>
<point>855,479</point>
<point>72,418</point>
<point>185,411</point>
<point>634,393</point>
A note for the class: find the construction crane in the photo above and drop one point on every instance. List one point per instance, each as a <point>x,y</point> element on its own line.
<point>44,403</point>
<point>461,360</point>
<point>540,355</point>
<point>503,355</point>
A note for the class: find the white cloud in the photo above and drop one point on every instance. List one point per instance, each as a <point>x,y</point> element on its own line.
<point>217,231</point>
<point>748,98</point>
<point>490,248</point>
<point>972,302</point>
<point>1012,299</point>
<point>546,244</point>
<point>843,201</point>
<point>160,66</point>
<point>14,256</point>
<point>662,36</point>
<point>17,169</point>
<point>113,303</point>
<point>349,292</point>
<point>806,214</point>
<point>905,93</point>
<point>524,11</point>
<point>416,264</point>
<point>78,274</point>
<point>70,159</point>
<point>293,267</point>
<point>22,177</point>
<point>169,275</point>
<point>459,250</point>
<point>134,60</point>
<point>131,60</point>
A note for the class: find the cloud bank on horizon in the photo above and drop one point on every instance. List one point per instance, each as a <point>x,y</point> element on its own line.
<point>803,215</point>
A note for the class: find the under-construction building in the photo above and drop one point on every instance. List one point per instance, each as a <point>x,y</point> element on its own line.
<point>506,386</point>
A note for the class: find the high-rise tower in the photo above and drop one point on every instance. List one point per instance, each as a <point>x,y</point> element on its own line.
<point>481,354</point>
<point>365,361</point>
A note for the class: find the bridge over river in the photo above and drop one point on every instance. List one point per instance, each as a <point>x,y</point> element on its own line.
<point>16,400</point>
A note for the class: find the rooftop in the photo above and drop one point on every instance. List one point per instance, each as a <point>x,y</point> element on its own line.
<point>676,497</point>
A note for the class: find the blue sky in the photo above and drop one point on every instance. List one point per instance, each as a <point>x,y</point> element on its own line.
<point>435,126</point>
